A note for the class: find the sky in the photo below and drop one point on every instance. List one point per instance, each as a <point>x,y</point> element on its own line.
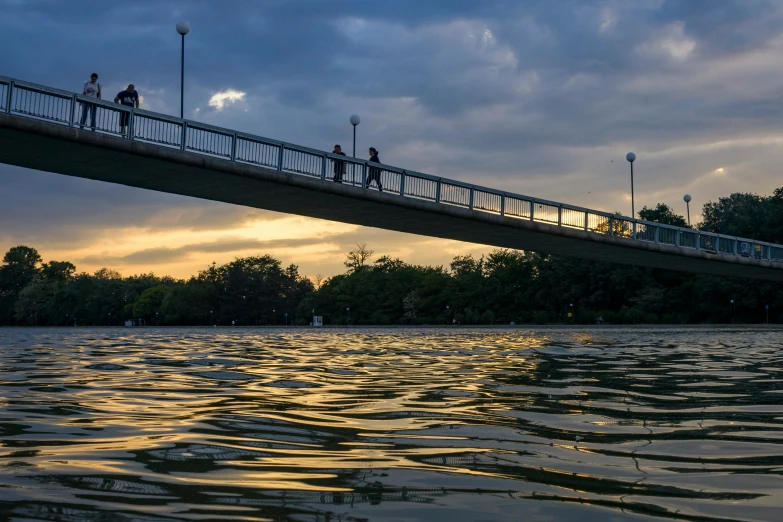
<point>542,98</point>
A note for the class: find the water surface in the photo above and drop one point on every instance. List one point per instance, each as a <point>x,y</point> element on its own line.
<point>391,425</point>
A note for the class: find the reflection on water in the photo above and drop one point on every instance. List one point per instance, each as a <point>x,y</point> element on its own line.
<point>390,424</point>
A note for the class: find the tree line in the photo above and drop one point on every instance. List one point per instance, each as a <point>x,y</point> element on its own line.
<point>502,287</point>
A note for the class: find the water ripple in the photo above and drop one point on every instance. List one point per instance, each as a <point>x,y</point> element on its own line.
<point>181,424</point>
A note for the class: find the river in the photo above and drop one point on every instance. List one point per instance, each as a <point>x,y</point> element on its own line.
<point>391,424</point>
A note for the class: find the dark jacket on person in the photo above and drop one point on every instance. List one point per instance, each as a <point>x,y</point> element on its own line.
<point>374,173</point>
<point>339,166</point>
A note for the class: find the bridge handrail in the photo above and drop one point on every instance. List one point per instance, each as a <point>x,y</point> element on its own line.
<point>179,134</point>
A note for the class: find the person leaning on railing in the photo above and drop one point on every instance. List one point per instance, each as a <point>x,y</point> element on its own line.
<point>130,98</point>
<point>339,166</point>
<point>92,89</point>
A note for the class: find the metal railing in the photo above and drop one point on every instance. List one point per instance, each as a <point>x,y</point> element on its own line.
<point>73,110</point>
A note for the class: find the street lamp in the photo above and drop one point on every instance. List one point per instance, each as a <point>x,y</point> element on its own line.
<point>731,310</point>
<point>687,199</point>
<point>355,121</point>
<point>183,28</point>
<point>571,312</point>
<point>348,311</point>
<point>448,314</point>
<point>631,157</point>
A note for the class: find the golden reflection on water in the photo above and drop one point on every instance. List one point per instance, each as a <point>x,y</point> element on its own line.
<point>355,424</point>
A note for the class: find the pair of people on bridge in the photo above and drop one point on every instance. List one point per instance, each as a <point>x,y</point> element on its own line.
<point>373,174</point>
<point>92,89</point>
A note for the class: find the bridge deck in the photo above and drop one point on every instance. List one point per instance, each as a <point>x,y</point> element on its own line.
<point>44,146</point>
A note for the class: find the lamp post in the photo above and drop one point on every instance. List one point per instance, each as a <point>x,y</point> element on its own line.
<point>355,121</point>
<point>183,28</point>
<point>687,199</point>
<point>571,311</point>
<point>274,319</point>
<point>631,157</point>
<point>731,310</point>
<point>448,314</point>
<point>348,311</point>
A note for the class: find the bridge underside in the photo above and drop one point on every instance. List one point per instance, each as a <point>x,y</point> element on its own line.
<point>43,146</point>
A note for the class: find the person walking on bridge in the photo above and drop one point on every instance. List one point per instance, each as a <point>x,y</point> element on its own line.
<point>339,166</point>
<point>130,98</point>
<point>374,173</point>
<point>92,89</point>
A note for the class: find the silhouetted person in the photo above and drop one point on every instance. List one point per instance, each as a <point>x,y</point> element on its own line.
<point>339,166</point>
<point>92,89</point>
<point>130,98</point>
<point>374,173</point>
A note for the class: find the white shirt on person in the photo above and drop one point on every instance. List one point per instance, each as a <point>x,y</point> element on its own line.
<point>91,89</point>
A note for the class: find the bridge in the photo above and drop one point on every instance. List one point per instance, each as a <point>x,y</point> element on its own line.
<point>40,129</point>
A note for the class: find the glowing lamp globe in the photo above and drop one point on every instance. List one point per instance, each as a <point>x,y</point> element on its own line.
<point>183,28</point>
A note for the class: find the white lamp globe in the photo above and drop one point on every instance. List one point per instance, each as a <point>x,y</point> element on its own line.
<point>183,28</point>
<point>355,119</point>
<point>630,157</point>
<point>686,198</point>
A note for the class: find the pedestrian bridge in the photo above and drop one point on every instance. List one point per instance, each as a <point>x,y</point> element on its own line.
<point>40,129</point>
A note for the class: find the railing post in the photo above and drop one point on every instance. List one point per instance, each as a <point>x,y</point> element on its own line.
<point>437,192</point>
<point>698,241</point>
<point>10,98</point>
<point>633,230</point>
<point>402,183</point>
<point>735,246</point>
<point>502,204</point>
<point>470,200</point>
<point>280,157</point>
<point>184,135</point>
<point>532,207</point>
<point>323,167</point>
<point>769,252</point>
<point>676,238</point>
<point>131,119</point>
<point>611,225</point>
<point>560,215</point>
<point>73,110</point>
<point>587,222</point>
<point>234,140</point>
<point>364,175</point>
<point>657,232</point>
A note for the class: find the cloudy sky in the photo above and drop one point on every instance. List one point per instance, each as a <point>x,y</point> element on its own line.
<point>536,97</point>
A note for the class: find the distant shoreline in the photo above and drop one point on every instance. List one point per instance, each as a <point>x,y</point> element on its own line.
<point>722,326</point>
